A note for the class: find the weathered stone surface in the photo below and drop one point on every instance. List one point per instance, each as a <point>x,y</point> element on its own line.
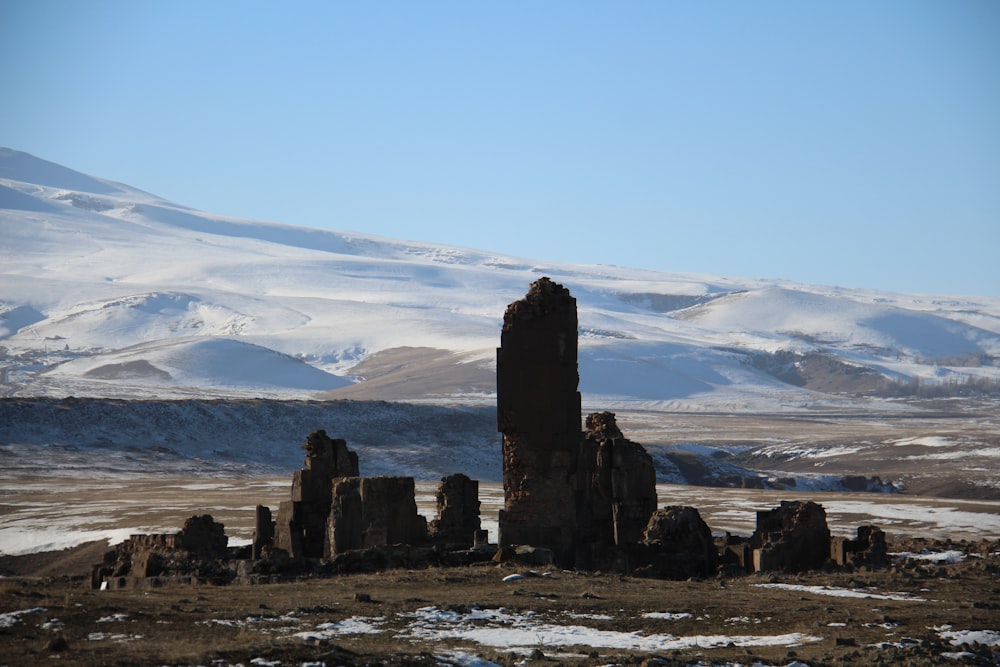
<point>373,512</point>
<point>390,512</point>
<point>791,537</point>
<point>867,550</point>
<point>263,533</point>
<point>680,543</point>
<point>329,456</point>
<point>538,413</point>
<point>203,536</point>
<point>345,529</point>
<point>194,552</point>
<point>574,493</point>
<point>458,504</point>
<point>625,477</point>
<point>301,526</point>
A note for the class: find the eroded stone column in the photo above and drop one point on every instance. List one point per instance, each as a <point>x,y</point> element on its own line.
<point>538,413</point>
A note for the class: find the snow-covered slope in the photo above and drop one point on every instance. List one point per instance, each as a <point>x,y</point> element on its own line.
<point>106,290</point>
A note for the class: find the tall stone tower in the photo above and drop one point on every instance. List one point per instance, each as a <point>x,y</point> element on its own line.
<point>538,412</point>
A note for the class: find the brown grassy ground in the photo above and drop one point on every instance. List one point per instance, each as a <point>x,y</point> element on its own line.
<point>63,621</point>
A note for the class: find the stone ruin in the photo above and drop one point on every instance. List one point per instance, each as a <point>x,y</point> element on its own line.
<point>333,510</point>
<point>574,498</point>
<point>590,496</point>
<point>188,556</point>
<point>301,526</point>
<point>579,494</point>
<point>336,521</point>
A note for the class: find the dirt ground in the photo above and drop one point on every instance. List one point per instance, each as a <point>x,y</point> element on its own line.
<point>916,613</point>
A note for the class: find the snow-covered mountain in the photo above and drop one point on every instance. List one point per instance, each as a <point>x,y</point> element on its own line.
<point>106,290</point>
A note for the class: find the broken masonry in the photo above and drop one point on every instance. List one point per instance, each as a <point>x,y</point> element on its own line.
<point>574,498</point>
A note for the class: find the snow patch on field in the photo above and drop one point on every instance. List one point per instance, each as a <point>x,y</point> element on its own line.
<point>522,632</point>
<point>833,591</point>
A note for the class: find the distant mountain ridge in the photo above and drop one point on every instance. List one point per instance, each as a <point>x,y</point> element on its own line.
<point>109,291</point>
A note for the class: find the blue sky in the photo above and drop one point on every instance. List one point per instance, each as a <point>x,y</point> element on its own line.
<point>842,143</point>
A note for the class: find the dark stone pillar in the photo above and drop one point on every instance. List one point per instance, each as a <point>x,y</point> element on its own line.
<point>538,412</point>
<point>263,533</point>
<point>373,512</point>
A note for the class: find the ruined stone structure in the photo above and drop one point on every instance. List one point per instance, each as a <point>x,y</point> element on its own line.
<point>679,544</point>
<point>538,413</point>
<point>577,494</point>
<point>457,520</point>
<point>622,483</point>
<point>791,537</point>
<point>187,554</point>
<point>373,511</point>
<point>572,498</point>
<point>263,533</point>
<point>868,549</point>
<point>300,528</point>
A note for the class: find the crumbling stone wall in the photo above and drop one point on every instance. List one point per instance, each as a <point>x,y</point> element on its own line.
<point>538,413</point>
<point>868,549</point>
<point>192,552</point>
<point>263,533</point>
<point>679,544</point>
<point>792,537</point>
<point>373,511</point>
<point>300,528</point>
<point>624,479</point>
<point>458,505</point>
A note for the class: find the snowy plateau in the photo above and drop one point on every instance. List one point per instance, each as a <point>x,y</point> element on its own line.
<point>194,341</point>
<point>158,361</point>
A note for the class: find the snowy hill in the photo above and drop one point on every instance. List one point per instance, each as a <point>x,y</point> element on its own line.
<point>109,291</point>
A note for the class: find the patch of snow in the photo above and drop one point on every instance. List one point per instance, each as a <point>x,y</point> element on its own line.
<point>53,624</point>
<point>926,441</point>
<point>948,557</point>
<point>357,625</point>
<point>513,632</point>
<point>833,591</point>
<point>21,540</point>
<point>462,659</point>
<point>113,618</point>
<point>667,615</point>
<point>968,637</point>
<point>10,618</point>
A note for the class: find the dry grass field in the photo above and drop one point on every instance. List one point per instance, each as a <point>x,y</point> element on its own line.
<point>918,613</point>
<point>937,605</point>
